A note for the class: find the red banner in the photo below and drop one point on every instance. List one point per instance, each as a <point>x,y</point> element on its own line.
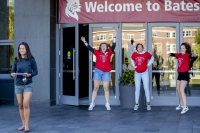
<point>101,11</point>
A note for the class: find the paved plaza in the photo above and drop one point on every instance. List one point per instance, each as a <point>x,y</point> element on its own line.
<point>71,119</point>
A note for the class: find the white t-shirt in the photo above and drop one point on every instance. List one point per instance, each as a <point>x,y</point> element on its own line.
<point>131,49</point>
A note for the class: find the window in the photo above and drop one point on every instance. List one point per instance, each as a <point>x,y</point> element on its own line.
<point>187,33</point>
<point>110,37</point>
<point>168,34</point>
<point>168,48</point>
<point>171,34</point>
<point>6,58</point>
<point>130,36</point>
<point>142,36</point>
<point>6,35</point>
<point>7,20</point>
<point>101,37</point>
<point>171,48</point>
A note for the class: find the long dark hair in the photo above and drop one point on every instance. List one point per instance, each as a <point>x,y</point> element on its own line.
<point>28,51</point>
<point>107,45</point>
<point>187,47</point>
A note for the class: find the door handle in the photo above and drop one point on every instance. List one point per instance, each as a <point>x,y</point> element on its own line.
<point>91,67</point>
<point>74,64</point>
<point>91,70</point>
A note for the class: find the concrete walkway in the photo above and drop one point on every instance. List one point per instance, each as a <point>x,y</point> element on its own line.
<point>70,119</point>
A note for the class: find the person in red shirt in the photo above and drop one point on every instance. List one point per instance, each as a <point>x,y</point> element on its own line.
<point>183,60</point>
<point>141,60</point>
<point>102,70</point>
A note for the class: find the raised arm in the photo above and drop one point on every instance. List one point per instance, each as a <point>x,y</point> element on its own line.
<point>87,45</point>
<point>114,44</point>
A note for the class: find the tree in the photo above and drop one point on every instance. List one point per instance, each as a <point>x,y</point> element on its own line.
<point>11,30</point>
<point>197,46</point>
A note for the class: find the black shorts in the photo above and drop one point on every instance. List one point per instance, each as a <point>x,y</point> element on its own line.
<point>183,76</point>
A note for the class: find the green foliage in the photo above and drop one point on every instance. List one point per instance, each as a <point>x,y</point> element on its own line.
<point>127,78</point>
<point>11,55</point>
<point>11,23</point>
<point>197,46</point>
<point>197,37</point>
<point>171,63</point>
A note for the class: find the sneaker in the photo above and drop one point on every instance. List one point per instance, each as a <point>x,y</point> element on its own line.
<point>179,107</point>
<point>107,105</point>
<point>136,106</point>
<point>92,105</point>
<point>148,107</point>
<point>184,110</point>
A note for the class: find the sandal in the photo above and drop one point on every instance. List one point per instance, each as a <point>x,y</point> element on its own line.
<point>20,128</point>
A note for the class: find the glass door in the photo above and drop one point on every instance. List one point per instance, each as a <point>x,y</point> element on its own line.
<point>104,33</point>
<point>190,32</point>
<point>69,64</point>
<point>135,32</point>
<point>163,39</point>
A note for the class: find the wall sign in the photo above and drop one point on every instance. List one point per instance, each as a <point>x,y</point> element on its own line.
<point>100,11</point>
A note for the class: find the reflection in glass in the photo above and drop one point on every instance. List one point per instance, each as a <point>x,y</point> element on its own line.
<point>192,36</point>
<point>7,20</point>
<point>163,68</point>
<point>135,31</point>
<point>100,35</point>
<point>6,58</point>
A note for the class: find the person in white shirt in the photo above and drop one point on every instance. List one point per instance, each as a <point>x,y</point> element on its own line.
<point>131,49</point>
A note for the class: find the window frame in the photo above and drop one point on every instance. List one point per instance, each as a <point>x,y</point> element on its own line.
<point>8,43</point>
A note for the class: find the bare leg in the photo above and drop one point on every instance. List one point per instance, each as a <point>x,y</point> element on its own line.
<point>106,90</point>
<point>26,105</point>
<point>179,93</point>
<point>183,84</point>
<point>21,109</point>
<point>95,90</point>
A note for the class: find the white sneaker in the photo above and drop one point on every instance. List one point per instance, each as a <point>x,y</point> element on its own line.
<point>179,107</point>
<point>107,105</point>
<point>136,106</point>
<point>92,105</point>
<point>184,110</point>
<point>148,107</point>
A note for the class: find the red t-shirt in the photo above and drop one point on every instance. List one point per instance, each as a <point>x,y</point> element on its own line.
<point>103,60</point>
<point>183,62</point>
<point>141,61</point>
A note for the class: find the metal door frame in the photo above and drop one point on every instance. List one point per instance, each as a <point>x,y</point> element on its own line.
<point>70,100</point>
<point>162,100</point>
<point>114,100</point>
<point>191,100</point>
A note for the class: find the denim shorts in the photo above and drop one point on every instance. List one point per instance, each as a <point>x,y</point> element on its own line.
<point>20,89</point>
<point>101,76</point>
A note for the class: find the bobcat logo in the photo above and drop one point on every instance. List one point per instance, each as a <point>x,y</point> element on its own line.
<point>140,60</point>
<point>72,7</point>
<point>103,58</point>
<point>180,62</point>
